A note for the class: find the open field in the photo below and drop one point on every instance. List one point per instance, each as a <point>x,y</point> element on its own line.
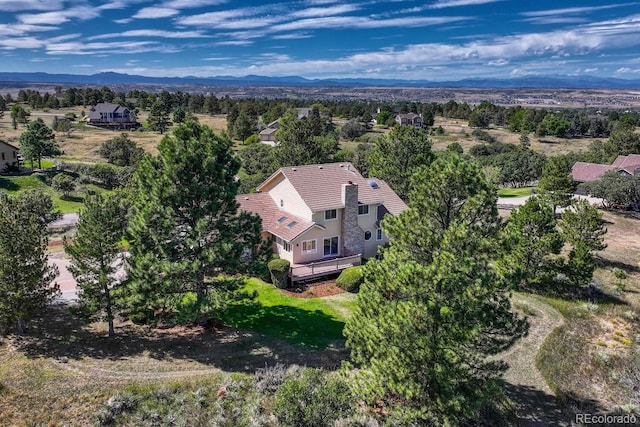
<point>83,143</point>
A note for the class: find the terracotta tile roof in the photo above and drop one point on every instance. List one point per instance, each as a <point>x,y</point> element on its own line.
<point>274,220</point>
<point>320,186</point>
<point>587,172</point>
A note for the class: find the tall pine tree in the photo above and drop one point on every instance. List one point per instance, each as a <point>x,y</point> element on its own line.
<point>25,276</point>
<point>96,255</point>
<point>185,224</point>
<point>433,309</point>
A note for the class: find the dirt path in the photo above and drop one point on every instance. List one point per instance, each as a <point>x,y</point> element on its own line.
<point>535,402</point>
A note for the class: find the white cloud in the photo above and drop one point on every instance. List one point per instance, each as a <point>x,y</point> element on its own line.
<point>627,70</point>
<point>324,11</point>
<point>82,13</point>
<point>155,13</point>
<point>123,21</point>
<point>187,4</point>
<point>151,33</point>
<point>441,4</point>
<point>24,5</point>
<point>574,10</point>
<point>498,62</point>
<point>292,36</point>
<point>21,43</point>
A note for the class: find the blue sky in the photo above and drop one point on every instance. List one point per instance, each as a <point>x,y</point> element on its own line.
<point>400,39</point>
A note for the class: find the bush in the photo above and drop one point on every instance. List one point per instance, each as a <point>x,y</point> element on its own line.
<point>279,270</point>
<point>313,399</point>
<point>64,184</point>
<point>350,279</point>
<point>268,380</point>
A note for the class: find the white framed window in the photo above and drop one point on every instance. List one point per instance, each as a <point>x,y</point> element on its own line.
<point>378,233</point>
<point>363,209</point>
<point>309,247</point>
<point>330,214</point>
<point>286,246</point>
<point>331,246</point>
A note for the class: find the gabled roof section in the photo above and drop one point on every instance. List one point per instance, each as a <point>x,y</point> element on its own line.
<point>106,107</point>
<point>632,161</point>
<point>275,220</point>
<point>320,186</point>
<point>9,145</point>
<point>587,172</point>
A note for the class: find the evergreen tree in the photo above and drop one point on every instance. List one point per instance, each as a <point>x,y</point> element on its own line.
<point>185,225</point>
<point>96,256</point>
<point>397,156</point>
<point>159,117</point>
<point>305,141</point>
<point>433,309</point>
<point>556,182</point>
<point>38,141</point>
<point>244,126</point>
<point>530,240</point>
<point>25,276</point>
<point>582,228</point>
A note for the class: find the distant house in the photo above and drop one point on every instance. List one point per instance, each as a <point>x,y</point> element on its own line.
<point>587,172</point>
<point>268,136</point>
<point>112,116</point>
<point>9,156</point>
<point>410,119</point>
<point>322,218</point>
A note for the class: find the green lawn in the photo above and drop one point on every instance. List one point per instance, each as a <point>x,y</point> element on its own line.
<point>16,184</point>
<point>45,164</point>
<point>308,322</point>
<point>515,192</point>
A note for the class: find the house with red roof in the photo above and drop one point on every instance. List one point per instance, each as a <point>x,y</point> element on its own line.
<point>322,218</point>
<point>587,172</point>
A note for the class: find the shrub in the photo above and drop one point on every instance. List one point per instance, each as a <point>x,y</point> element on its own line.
<point>64,184</point>
<point>268,380</point>
<point>313,399</point>
<point>252,139</point>
<point>279,270</point>
<point>350,279</point>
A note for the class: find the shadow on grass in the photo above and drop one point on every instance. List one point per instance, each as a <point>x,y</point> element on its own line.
<point>604,262</point>
<point>310,329</point>
<point>76,199</point>
<point>8,185</point>
<point>535,407</point>
<point>59,334</point>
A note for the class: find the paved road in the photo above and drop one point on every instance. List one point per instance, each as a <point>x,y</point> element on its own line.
<point>68,285</point>
<point>67,220</point>
<point>65,279</point>
<point>519,201</point>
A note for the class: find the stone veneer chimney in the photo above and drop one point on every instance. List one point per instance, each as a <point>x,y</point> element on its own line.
<point>352,234</point>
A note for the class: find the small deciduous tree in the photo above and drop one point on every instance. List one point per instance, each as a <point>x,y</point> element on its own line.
<point>617,189</point>
<point>96,255</point>
<point>121,151</point>
<point>25,276</point>
<point>63,183</point>
<point>352,129</point>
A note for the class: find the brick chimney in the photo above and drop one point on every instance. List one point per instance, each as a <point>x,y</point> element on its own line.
<point>352,234</point>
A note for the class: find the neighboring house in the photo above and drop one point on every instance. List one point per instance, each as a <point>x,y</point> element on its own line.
<point>9,156</point>
<point>587,172</point>
<point>410,119</point>
<point>322,218</point>
<point>268,136</point>
<point>112,116</point>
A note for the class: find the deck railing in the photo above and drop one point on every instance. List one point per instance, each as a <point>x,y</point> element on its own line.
<point>314,269</point>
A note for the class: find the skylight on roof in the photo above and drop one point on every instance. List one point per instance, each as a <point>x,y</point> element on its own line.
<point>291,224</point>
<point>281,219</point>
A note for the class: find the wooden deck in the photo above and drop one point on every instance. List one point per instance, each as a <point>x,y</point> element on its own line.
<point>322,268</point>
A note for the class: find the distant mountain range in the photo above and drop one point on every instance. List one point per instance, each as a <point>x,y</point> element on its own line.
<point>537,82</point>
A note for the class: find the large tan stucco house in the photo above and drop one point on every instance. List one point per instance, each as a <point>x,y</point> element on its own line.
<point>9,156</point>
<point>322,218</point>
